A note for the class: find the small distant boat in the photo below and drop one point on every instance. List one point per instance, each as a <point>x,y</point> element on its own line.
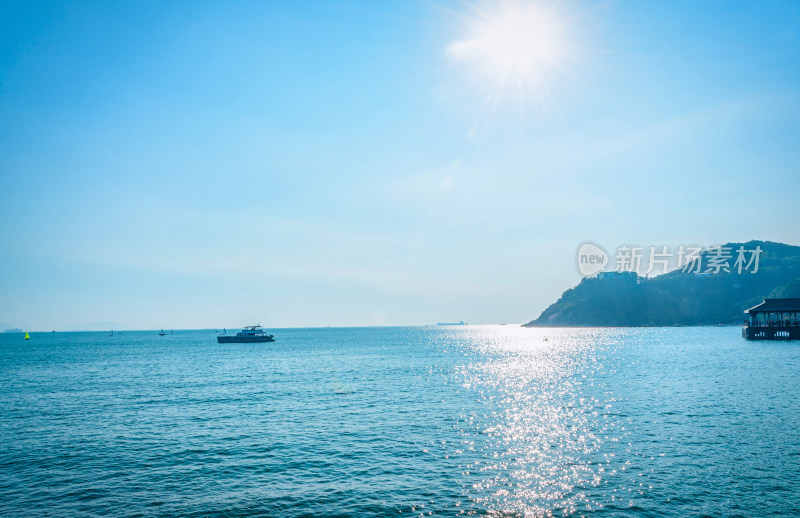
<point>27,337</point>
<point>249,334</point>
<point>162,333</point>
<point>112,333</point>
<point>461,323</point>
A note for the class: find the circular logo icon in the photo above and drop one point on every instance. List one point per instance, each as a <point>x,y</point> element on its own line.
<point>591,259</point>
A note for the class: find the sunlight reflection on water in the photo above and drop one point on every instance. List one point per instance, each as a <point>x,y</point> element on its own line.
<point>543,429</point>
<point>477,420</point>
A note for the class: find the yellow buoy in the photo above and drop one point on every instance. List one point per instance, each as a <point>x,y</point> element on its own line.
<point>26,336</point>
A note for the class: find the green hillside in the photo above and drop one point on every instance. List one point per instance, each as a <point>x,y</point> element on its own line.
<point>678,297</point>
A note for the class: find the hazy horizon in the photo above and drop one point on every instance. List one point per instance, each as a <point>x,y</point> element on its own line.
<point>230,329</point>
<point>194,165</point>
<point>100,326</point>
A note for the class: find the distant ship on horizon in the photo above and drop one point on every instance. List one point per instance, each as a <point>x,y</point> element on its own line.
<point>460,323</point>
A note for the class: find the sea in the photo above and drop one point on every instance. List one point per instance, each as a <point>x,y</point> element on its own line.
<point>498,421</point>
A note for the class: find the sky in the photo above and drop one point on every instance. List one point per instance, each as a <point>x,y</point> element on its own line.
<point>209,164</point>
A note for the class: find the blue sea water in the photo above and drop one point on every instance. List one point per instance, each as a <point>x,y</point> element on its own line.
<point>475,421</point>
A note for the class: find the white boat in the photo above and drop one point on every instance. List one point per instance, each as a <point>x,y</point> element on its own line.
<point>249,334</point>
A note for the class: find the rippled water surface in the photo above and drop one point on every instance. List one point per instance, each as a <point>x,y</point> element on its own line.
<point>479,420</point>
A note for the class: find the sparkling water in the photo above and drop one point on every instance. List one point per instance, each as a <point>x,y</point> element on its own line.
<point>415,421</point>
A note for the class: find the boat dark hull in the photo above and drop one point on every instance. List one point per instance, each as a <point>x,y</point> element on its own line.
<point>244,339</point>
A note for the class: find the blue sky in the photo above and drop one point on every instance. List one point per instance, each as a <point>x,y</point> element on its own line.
<point>201,164</point>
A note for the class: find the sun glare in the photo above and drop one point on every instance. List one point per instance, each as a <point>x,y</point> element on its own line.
<point>513,43</point>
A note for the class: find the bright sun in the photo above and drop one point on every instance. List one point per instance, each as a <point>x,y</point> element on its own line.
<point>513,43</point>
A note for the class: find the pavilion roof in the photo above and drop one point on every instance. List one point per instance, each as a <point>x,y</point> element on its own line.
<point>772,305</point>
